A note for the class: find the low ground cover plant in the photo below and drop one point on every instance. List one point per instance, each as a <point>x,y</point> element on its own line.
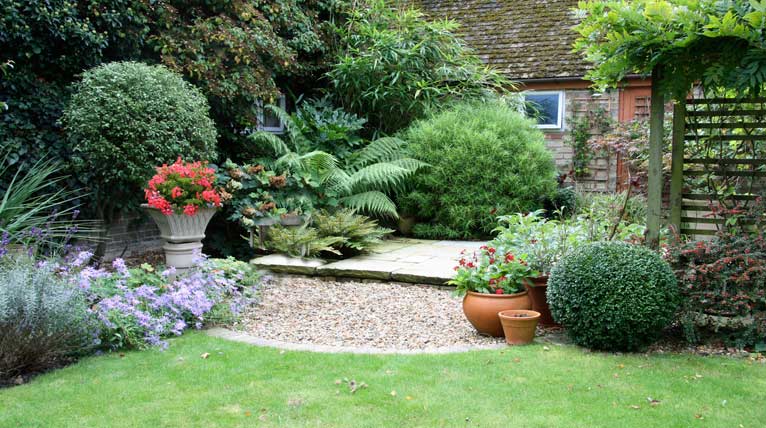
<point>613,296</point>
<point>341,233</point>
<point>485,160</point>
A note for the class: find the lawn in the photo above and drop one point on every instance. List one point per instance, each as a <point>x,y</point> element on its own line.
<point>240,385</point>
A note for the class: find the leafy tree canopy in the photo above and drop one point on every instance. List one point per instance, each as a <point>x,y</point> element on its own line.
<point>719,42</point>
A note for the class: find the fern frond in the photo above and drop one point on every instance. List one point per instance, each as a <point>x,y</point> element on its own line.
<point>409,163</point>
<point>372,202</point>
<point>380,176</point>
<point>381,150</point>
<point>292,130</point>
<point>271,141</point>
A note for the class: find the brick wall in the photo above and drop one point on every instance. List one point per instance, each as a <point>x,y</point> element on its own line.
<point>132,234</point>
<point>603,170</point>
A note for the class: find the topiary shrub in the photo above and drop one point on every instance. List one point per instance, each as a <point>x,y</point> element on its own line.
<point>613,296</point>
<point>44,320</point>
<point>486,160</point>
<point>126,118</point>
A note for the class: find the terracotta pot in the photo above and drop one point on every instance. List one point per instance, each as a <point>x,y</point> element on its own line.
<point>519,326</point>
<point>482,309</point>
<point>537,288</point>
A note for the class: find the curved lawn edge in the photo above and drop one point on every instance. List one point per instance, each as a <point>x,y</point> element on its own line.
<point>242,337</point>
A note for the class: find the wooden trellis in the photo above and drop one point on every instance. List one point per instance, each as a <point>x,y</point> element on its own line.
<point>718,160</point>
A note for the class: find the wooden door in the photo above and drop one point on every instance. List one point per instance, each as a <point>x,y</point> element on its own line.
<point>634,105</point>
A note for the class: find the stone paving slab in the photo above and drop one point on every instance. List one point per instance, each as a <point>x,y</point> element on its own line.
<point>402,259</point>
<point>285,264</point>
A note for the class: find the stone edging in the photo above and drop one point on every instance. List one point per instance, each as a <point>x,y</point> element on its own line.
<point>237,336</point>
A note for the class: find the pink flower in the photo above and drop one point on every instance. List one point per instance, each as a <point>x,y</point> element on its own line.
<point>176,192</point>
<point>190,210</point>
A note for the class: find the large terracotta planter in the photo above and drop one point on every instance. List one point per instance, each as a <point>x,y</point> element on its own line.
<point>183,234</point>
<point>482,309</point>
<point>537,288</point>
<point>519,326</point>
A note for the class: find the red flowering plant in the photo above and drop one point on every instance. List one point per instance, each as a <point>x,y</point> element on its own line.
<point>183,187</point>
<point>491,270</point>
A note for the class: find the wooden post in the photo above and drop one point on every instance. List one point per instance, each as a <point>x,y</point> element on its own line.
<point>655,182</point>
<point>677,165</point>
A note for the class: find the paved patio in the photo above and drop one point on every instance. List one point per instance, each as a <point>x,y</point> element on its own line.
<point>401,259</point>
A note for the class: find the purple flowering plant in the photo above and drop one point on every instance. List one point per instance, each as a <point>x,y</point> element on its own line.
<point>139,307</point>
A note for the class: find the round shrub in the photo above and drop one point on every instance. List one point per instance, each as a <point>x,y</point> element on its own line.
<point>126,118</point>
<point>613,296</point>
<point>486,160</point>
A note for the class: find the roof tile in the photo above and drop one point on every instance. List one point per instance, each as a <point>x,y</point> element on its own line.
<point>524,39</point>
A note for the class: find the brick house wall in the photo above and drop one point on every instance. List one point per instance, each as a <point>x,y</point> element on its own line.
<point>603,170</point>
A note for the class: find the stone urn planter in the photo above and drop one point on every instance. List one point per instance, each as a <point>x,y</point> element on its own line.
<point>183,234</point>
<point>481,309</point>
<point>519,326</point>
<point>537,288</point>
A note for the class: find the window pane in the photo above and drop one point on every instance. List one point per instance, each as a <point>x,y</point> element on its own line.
<point>543,107</point>
<point>270,120</point>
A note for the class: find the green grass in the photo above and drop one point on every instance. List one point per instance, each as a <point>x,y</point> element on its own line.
<point>240,385</point>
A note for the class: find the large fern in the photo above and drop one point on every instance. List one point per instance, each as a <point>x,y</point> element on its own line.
<point>363,182</point>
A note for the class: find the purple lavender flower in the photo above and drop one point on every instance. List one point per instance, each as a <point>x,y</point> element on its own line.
<point>119,265</point>
<point>5,240</point>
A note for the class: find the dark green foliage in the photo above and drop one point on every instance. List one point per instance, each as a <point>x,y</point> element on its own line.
<point>562,203</point>
<point>328,128</point>
<point>396,65</point>
<point>613,296</point>
<point>242,52</point>
<point>362,180</point>
<point>49,43</point>
<point>118,143</point>
<point>43,320</point>
<point>237,52</point>
<point>485,159</point>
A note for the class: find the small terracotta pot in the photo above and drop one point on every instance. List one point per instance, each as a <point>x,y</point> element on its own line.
<point>519,326</point>
<point>482,309</point>
<point>537,294</point>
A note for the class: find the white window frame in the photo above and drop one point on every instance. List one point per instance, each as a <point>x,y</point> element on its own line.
<point>559,125</point>
<point>282,103</point>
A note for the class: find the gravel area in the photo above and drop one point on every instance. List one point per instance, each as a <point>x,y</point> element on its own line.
<point>384,316</point>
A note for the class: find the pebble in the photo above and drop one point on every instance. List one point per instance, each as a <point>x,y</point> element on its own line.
<point>353,314</point>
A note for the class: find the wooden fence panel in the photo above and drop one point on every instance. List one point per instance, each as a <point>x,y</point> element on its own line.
<point>718,160</point>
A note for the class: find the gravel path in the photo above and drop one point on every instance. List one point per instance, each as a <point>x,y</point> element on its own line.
<point>380,316</point>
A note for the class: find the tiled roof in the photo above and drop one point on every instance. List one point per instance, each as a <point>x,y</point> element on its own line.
<point>525,39</point>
